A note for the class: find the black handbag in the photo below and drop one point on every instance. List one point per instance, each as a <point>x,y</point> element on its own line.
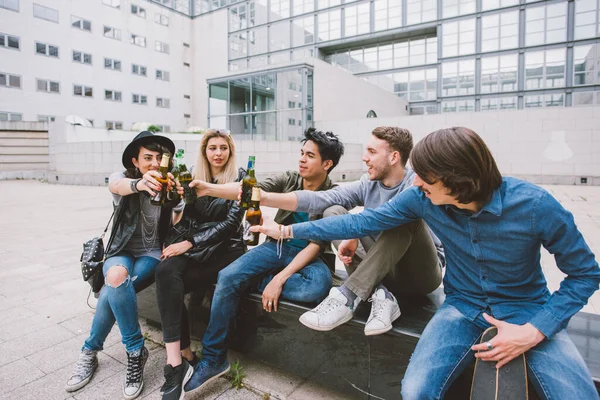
<point>92,257</point>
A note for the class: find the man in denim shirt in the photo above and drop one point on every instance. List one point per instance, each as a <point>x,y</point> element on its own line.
<point>492,229</point>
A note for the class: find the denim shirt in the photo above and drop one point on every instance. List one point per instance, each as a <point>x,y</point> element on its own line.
<point>493,256</point>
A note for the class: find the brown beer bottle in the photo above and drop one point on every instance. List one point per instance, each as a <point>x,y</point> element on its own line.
<point>159,198</point>
<point>248,183</point>
<point>253,217</point>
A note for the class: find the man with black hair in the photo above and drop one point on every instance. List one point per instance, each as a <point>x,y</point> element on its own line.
<point>294,272</point>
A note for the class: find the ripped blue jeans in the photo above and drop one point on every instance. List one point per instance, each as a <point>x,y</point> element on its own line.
<point>120,303</point>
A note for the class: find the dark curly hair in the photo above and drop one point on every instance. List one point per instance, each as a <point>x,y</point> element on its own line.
<point>134,173</point>
<point>329,145</point>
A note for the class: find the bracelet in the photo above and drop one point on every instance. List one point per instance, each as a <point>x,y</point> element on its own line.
<point>133,185</point>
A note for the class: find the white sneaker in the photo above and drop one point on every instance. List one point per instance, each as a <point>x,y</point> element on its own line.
<point>383,312</point>
<point>332,312</point>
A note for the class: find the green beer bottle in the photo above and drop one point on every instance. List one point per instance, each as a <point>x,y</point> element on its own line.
<point>248,183</point>
<point>159,198</point>
<point>185,177</point>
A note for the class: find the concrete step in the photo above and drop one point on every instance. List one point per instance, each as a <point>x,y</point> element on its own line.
<point>24,135</point>
<point>17,141</point>
<point>22,150</point>
<point>24,159</point>
<point>41,166</point>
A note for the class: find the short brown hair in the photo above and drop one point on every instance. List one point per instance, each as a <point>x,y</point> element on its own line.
<point>399,139</point>
<point>460,159</point>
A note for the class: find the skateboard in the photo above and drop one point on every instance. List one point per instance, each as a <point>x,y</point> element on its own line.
<point>506,383</point>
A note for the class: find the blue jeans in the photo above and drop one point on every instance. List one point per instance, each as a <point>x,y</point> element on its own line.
<point>309,285</point>
<point>554,366</point>
<point>120,303</point>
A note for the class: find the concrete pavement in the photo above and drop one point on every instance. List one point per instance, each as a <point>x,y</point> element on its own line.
<point>44,318</point>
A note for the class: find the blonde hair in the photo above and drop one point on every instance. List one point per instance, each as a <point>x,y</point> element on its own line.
<point>229,173</point>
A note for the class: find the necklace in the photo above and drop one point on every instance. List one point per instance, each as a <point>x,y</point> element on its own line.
<point>149,226</point>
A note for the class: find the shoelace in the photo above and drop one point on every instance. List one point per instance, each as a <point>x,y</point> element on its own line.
<point>377,307</point>
<point>327,306</point>
<point>134,369</point>
<point>84,363</point>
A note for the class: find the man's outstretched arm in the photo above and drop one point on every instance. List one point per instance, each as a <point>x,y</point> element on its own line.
<point>227,191</point>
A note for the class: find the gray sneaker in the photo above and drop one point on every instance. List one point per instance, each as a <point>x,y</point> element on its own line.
<point>134,382</point>
<point>84,370</point>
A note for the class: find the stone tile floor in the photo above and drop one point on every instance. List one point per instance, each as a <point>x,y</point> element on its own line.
<point>44,318</point>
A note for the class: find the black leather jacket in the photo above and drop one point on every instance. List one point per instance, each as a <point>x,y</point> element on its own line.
<point>127,217</point>
<point>212,225</point>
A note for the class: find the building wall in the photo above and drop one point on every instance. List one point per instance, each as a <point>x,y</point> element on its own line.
<point>550,146</point>
<point>340,95</point>
<point>26,63</point>
<point>87,156</point>
<point>24,150</point>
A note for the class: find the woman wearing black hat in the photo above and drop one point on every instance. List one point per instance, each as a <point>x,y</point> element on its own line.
<point>130,260</point>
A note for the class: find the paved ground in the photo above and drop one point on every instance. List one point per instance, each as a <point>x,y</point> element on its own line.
<point>44,318</point>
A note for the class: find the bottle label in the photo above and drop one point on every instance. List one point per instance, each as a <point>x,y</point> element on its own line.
<point>247,235</point>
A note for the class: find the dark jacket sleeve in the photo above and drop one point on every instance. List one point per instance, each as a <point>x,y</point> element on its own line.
<point>220,231</point>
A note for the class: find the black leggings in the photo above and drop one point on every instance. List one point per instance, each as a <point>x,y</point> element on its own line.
<point>177,276</point>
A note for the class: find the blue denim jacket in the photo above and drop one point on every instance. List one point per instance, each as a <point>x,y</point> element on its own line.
<point>493,256</point>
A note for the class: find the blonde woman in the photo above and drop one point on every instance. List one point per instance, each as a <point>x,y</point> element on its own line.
<point>207,239</point>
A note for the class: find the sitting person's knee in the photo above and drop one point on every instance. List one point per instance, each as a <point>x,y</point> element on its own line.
<point>334,210</point>
<point>116,275</point>
<point>416,388</point>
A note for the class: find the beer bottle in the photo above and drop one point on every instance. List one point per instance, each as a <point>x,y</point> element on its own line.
<point>253,217</point>
<point>248,183</point>
<point>185,177</point>
<point>159,198</point>
<point>173,195</point>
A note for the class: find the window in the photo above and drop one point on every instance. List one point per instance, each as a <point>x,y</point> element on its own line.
<point>418,11</point>
<point>113,125</point>
<point>109,63</point>
<point>303,6</point>
<point>587,61</point>
<point>388,14</point>
<point>291,121</point>
<point>413,52</point>
<point>498,103</point>
<point>459,38</point>
<point>187,116</point>
<point>458,78</point>
<point>9,41</point>
<point>587,98</point>
<point>161,47</point>
<point>44,85</point>
<point>12,5</point>
<point>139,11</point>
<point>586,19</point>
<point>187,96</point>
<point>415,85</point>
<point>81,23</point>
<point>49,14</point>
<point>499,74</point>
<point>279,9</point>
<point>138,40</point>
<point>82,91</point>
<point>161,19</point>
<point>458,106</point>
<point>493,4</point>
<point>46,118</point>
<point>546,24</point>
<point>138,70</point>
<point>162,75</point>
<point>291,104</point>
<point>46,49</point>
<point>500,31</point>
<point>357,19</point>
<point>10,116</point>
<point>545,100</point>
<point>303,32</point>
<point>112,33</point>
<point>185,64</point>
<point>112,95</point>
<point>330,25</point>
<point>452,8</point>
<point>163,103</point>
<point>186,44</point>
<point>81,57</point>
<point>139,99</point>
<point>545,69</point>
<point>10,80</point>
<point>112,3</point>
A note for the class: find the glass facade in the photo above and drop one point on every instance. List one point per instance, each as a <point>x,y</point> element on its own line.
<point>271,105</point>
<point>441,55</point>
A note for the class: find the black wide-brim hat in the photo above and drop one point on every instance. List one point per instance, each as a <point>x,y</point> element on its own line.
<point>141,139</point>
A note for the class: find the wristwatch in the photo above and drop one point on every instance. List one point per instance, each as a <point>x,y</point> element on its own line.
<point>133,185</point>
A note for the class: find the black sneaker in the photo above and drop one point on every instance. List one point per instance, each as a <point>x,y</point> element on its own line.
<point>84,370</point>
<point>134,382</point>
<point>175,380</point>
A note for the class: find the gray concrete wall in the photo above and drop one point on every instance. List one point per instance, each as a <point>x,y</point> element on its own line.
<point>87,156</point>
<point>24,152</point>
<point>550,145</point>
